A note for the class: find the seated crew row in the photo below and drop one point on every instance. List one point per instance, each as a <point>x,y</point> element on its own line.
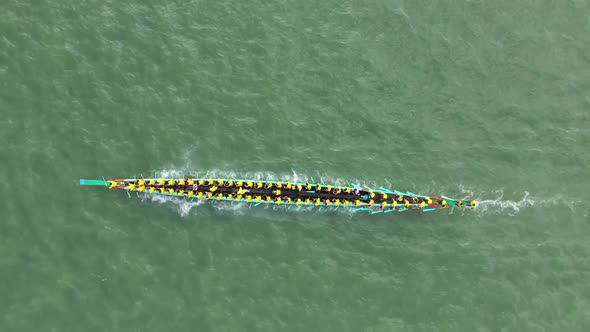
<point>247,184</point>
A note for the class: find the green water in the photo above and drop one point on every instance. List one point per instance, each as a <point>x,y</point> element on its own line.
<point>484,99</point>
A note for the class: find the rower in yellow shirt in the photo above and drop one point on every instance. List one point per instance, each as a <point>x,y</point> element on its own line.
<point>112,184</point>
<point>190,182</point>
<point>288,185</point>
<point>170,191</point>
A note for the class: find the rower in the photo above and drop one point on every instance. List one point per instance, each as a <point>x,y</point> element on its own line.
<point>230,183</point>
<point>152,189</point>
<point>357,202</point>
<point>385,196</point>
<point>415,199</point>
<point>259,185</point>
<point>141,182</point>
<point>268,185</point>
<point>328,188</point>
<point>230,197</point>
<point>181,182</point>
<point>394,204</point>
<point>288,185</point>
<point>248,198</point>
<point>279,185</point>
<point>219,196</point>
<point>238,198</point>
<point>113,184</point>
<point>422,205</point>
<point>141,188</point>
<point>327,201</point>
<point>210,181</point>
<point>249,184</point>
<point>170,191</point>
<point>220,182</point>
<point>199,194</point>
<point>371,203</point>
<point>346,203</point>
<point>318,187</point>
<point>277,192</point>
<point>318,202</point>
<point>406,203</point>
<point>190,182</point>
<point>460,204</point>
<point>299,187</point>
<point>171,182</point>
<point>372,194</point>
<point>307,201</point>
<point>239,183</point>
<point>209,195</point>
<point>289,200</point>
<point>444,203</point>
<point>162,190</point>
<point>213,189</point>
<point>337,202</point>
<point>152,182</point>
<point>400,198</point>
<point>258,198</point>
<point>180,192</point>
<point>161,182</point>
<point>308,186</point>
<point>278,200</point>
<point>201,182</point>
<point>348,190</point>
<point>268,198</point>
<point>241,191</point>
<point>473,204</point>
<point>384,204</point>
<point>429,200</point>
<point>189,194</point>
<point>337,191</point>
<point>298,202</point>
<point>131,186</point>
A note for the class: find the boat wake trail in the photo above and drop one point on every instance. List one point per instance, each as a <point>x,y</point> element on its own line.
<point>501,206</point>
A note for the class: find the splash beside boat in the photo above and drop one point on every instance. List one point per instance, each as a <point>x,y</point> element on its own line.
<point>292,194</point>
